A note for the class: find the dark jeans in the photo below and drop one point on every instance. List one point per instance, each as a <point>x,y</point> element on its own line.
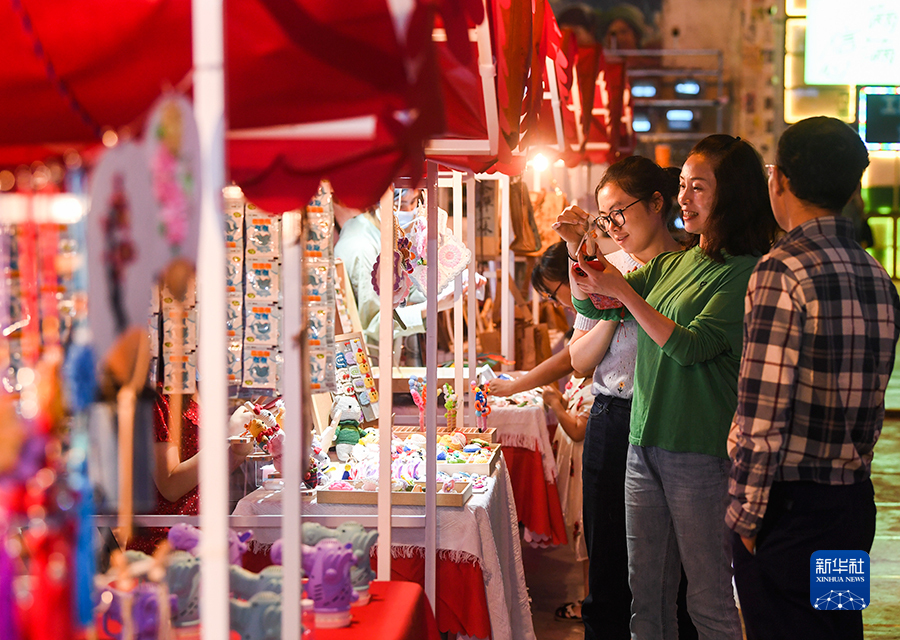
<point>607,608</point>
<point>773,585</point>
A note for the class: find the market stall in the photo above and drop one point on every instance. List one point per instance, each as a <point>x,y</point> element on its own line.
<point>411,66</point>
<point>480,584</point>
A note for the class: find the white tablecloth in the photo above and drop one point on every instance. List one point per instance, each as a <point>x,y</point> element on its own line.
<point>526,428</point>
<point>484,531</point>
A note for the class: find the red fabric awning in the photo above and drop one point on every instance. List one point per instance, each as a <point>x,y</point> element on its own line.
<point>71,70</point>
<point>352,66</point>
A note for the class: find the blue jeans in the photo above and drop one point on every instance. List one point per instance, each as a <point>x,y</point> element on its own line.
<point>675,515</point>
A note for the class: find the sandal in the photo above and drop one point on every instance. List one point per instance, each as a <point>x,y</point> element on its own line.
<point>567,612</point>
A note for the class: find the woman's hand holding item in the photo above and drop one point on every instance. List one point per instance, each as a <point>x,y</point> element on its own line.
<point>503,388</point>
<point>240,447</point>
<point>571,225</point>
<point>598,276</point>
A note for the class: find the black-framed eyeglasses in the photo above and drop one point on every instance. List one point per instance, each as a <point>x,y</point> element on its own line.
<point>615,217</point>
<point>552,296</point>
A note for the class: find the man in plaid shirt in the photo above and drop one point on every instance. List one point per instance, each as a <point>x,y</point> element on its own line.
<point>820,329</point>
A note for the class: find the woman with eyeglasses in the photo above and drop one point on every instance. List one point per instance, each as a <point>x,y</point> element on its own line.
<point>689,306</point>
<point>635,197</point>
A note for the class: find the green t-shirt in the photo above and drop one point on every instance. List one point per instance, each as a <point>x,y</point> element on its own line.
<point>685,393</point>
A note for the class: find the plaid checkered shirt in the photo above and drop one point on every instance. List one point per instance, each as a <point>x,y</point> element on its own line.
<point>821,323</point>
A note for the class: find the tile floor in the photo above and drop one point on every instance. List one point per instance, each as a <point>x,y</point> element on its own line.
<point>554,577</point>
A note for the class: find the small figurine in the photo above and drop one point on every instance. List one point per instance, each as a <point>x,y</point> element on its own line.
<point>450,406</point>
<point>482,408</point>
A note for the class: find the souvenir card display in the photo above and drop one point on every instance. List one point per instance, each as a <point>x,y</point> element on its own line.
<point>318,257</point>
<point>262,358</point>
<point>174,325</point>
<point>353,373</point>
<point>234,286</point>
<point>253,240</point>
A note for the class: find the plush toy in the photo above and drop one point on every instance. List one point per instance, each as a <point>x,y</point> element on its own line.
<point>346,415</point>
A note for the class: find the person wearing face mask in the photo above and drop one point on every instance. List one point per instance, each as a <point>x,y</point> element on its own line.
<point>358,246</point>
<point>689,307</point>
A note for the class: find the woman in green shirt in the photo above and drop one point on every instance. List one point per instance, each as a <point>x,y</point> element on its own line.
<point>689,306</point>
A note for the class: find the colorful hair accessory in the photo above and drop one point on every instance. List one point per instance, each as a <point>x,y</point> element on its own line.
<point>340,485</point>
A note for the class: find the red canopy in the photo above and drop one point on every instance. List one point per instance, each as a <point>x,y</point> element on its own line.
<point>72,70</point>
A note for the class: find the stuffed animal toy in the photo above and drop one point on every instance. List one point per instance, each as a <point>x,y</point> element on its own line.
<point>346,415</point>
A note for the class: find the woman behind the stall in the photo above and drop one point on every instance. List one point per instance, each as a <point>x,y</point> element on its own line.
<point>689,306</point>
<point>174,468</point>
<point>639,196</point>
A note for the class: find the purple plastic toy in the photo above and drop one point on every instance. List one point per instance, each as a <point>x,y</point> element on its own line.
<point>144,611</point>
<point>328,567</point>
<point>186,538</point>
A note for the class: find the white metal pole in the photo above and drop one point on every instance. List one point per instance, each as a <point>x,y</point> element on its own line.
<point>458,305</point>
<point>294,398</point>
<point>507,328</point>
<point>431,329</point>
<point>473,308</point>
<point>209,105</point>
<point>385,380</point>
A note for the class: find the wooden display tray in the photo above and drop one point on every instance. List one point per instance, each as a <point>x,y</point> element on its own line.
<point>403,430</point>
<point>481,468</point>
<point>461,494</point>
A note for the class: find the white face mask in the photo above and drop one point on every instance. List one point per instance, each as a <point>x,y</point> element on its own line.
<point>406,218</point>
